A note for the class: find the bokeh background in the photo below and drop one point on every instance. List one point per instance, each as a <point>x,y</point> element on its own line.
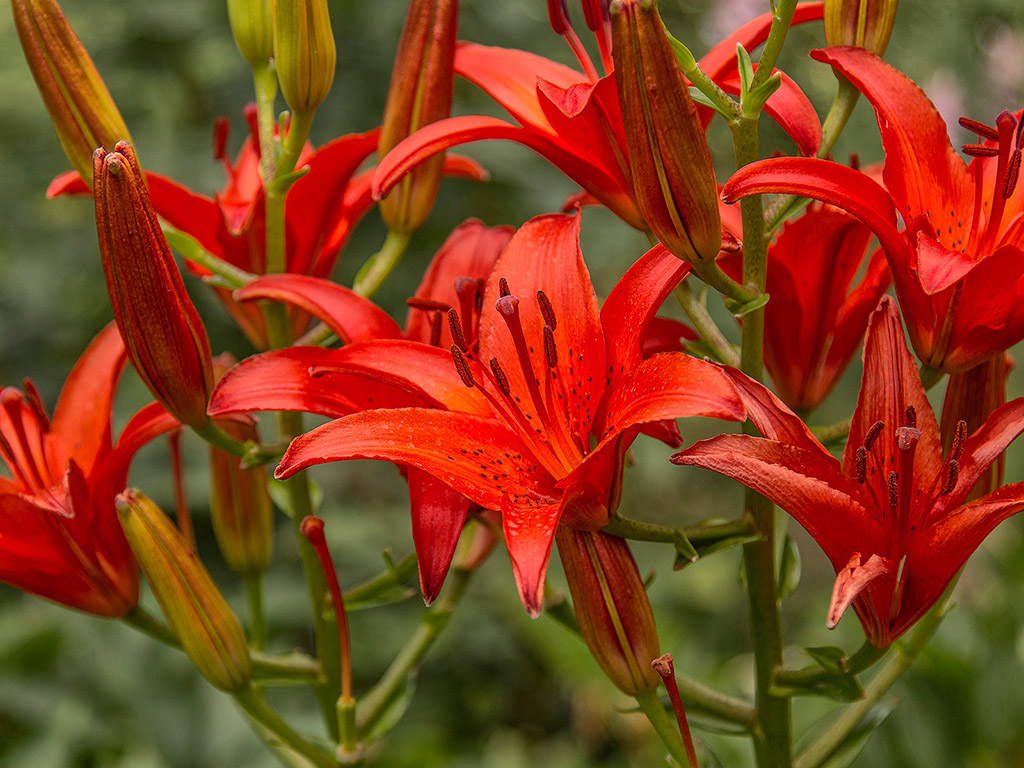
<point>498,690</point>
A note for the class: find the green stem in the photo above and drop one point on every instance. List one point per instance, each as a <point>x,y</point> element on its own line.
<point>212,434</point>
<point>398,574</point>
<point>257,709</point>
<point>293,666</point>
<point>905,652</point>
<point>277,191</point>
<point>864,658</point>
<point>265,86</point>
<point>712,274</point>
<point>832,433</point>
<point>376,701</point>
<point>709,331</point>
<point>142,620</point>
<point>257,623</point>
<point>229,276</point>
<point>664,725</point>
<point>377,268</point>
<point>838,115</point>
<point>636,530</point>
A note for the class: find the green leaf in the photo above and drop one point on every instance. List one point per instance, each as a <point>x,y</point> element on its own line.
<point>393,712</point>
<point>739,309</point>
<point>829,657</point>
<point>851,747</point>
<point>754,101</point>
<point>746,70</point>
<point>789,569</point>
<point>839,688</point>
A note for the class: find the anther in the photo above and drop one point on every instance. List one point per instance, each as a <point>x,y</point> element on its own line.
<point>894,491</point>
<point>462,366</point>
<point>500,379</point>
<point>954,475</point>
<point>958,440</point>
<point>911,416</point>
<point>435,329</point>
<point>478,297</point>
<point>221,130</point>
<point>455,326</point>
<point>503,287</point>
<point>1012,172</point>
<point>558,15</point>
<point>546,310</point>
<point>872,435</point>
<point>550,352</point>
<point>861,465</point>
<point>979,150</point>
<point>427,305</point>
<point>854,161</point>
<point>974,126</point>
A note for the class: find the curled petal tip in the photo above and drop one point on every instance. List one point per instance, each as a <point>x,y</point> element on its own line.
<point>851,581</point>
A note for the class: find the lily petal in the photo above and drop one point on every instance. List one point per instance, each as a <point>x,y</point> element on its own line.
<point>438,514</point>
<point>529,522</point>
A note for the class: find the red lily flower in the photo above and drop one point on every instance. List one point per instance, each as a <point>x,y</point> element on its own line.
<point>321,211</point>
<point>517,411</point>
<point>282,379</point>
<point>957,265</point>
<point>574,120</point>
<point>59,536</point>
<point>817,317</point>
<point>893,516</point>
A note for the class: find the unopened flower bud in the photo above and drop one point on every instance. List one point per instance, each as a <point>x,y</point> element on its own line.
<point>199,615</point>
<point>162,330</point>
<point>304,52</point>
<point>864,23</point>
<point>673,179</point>
<point>611,606</point>
<point>240,506</point>
<point>80,106</point>
<point>253,27</point>
<point>419,94</point>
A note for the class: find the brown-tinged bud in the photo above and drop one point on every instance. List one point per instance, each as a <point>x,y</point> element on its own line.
<point>240,506</point>
<point>253,27</point>
<point>864,23</point>
<point>971,397</point>
<point>199,615</point>
<point>611,606</point>
<point>673,179</point>
<point>419,94</point>
<point>161,329</point>
<point>304,52</point>
<point>80,106</point>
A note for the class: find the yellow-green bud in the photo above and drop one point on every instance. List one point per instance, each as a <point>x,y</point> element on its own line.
<point>303,52</point>
<point>864,23</point>
<point>199,615</point>
<point>253,27</point>
<point>80,106</point>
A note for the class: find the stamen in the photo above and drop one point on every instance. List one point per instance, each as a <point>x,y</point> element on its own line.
<point>1012,172</point>
<point>954,475</point>
<point>427,305</point>
<point>550,351</point>
<point>546,310</point>
<point>894,491</point>
<point>911,416</point>
<point>455,326</point>
<point>435,329</point>
<point>872,435</point>
<point>500,379</point>
<point>251,114</point>
<point>466,289</point>
<point>221,131</point>
<point>503,287</point>
<point>975,126</point>
<point>861,465</point>
<point>35,401</point>
<point>979,150</point>
<point>478,298</point>
<point>558,15</point>
<point>462,366</point>
<point>958,440</point>
<point>854,161</point>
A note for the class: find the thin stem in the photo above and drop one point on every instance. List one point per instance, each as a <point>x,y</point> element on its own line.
<point>709,331</point>
<point>377,268</point>
<point>712,274</point>
<point>838,115</point>
<point>229,275</point>
<point>866,656</point>
<point>376,701</point>
<point>216,437</point>
<point>396,574</point>
<point>832,433</point>
<point>636,530</point>
<point>142,620</point>
<point>265,86</point>
<point>257,709</point>
<point>650,704</point>
<point>782,20</point>
<point>714,702</point>
<point>293,666</point>
<point>257,623</point>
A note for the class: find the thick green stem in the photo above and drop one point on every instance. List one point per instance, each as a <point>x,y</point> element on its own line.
<point>377,268</point>
<point>375,703</point>
<point>257,623</point>
<point>268,720</point>
<point>265,84</point>
<point>712,274</point>
<point>277,190</point>
<point>665,726</point>
<point>709,331</point>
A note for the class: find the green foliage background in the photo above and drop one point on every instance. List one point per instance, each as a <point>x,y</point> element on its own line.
<point>498,690</point>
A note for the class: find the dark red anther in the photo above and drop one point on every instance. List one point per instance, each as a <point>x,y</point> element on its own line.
<point>251,114</point>
<point>980,150</point>
<point>954,475</point>
<point>435,329</point>
<point>911,416</point>
<point>427,305</point>
<point>855,161</point>
<point>503,287</point>
<point>455,326</point>
<point>558,15</point>
<point>979,128</point>
<point>958,440</point>
<point>221,131</point>
<point>500,379</point>
<point>550,351</point>
<point>595,13</point>
<point>478,298</point>
<point>462,366</point>
<point>1012,172</point>
<point>860,465</point>
<point>872,435</point>
<point>546,310</point>
<point>894,491</point>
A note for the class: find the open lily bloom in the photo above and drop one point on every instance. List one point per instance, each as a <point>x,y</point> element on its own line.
<point>892,516</point>
<point>534,420</point>
<point>573,119</point>
<point>958,264</point>
<point>304,378</point>
<point>59,534</point>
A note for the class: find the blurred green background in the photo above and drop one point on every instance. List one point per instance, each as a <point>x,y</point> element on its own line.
<point>498,690</point>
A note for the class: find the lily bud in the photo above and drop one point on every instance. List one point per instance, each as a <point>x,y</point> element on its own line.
<point>419,94</point>
<point>80,106</point>
<point>611,606</point>
<point>864,23</point>
<point>199,615</point>
<point>304,52</point>
<point>240,506</point>
<point>673,179</point>
<point>162,331</point>
<point>253,27</point>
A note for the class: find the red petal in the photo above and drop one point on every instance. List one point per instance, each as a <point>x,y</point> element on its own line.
<point>852,579</point>
<point>68,183</point>
<point>351,316</point>
<point>529,521</point>
<point>771,416</point>
<point>789,107</point>
<point>194,214</point>
<point>438,514</point>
